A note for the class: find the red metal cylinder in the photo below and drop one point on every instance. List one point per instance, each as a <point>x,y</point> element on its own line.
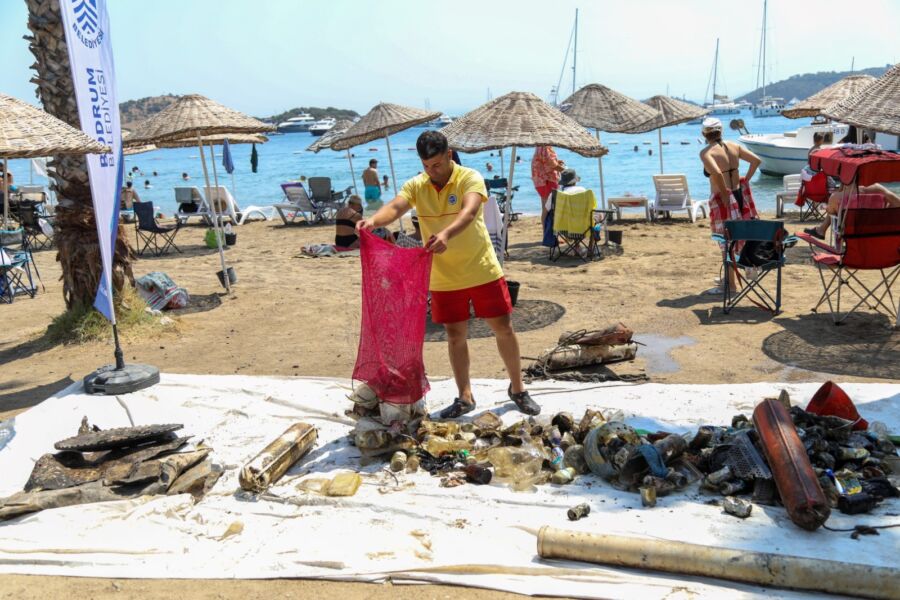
<point>797,484</point>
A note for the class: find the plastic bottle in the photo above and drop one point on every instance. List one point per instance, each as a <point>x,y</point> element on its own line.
<point>557,458</point>
<point>437,446</point>
<point>520,467</point>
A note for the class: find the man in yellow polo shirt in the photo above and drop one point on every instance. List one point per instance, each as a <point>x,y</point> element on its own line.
<point>448,200</point>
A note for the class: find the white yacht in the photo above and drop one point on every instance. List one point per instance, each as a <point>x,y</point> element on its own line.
<point>787,153</point>
<point>301,122</point>
<point>322,126</point>
<point>441,121</point>
<point>768,107</point>
<point>723,106</point>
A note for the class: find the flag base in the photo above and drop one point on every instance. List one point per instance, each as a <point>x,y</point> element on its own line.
<point>110,380</point>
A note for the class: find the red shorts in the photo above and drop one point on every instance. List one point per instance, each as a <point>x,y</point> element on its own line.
<point>490,300</point>
<point>545,190</point>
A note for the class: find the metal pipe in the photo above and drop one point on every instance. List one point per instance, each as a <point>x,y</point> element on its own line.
<point>353,175</point>
<point>212,208</point>
<point>267,467</point>
<point>762,568</point>
<point>600,168</point>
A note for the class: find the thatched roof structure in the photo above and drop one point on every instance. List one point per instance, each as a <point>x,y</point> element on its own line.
<point>834,93</point>
<point>876,107</point>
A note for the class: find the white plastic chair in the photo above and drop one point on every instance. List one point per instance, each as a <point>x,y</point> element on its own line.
<point>672,195</point>
<point>789,194</point>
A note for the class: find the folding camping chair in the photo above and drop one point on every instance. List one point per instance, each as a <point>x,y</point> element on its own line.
<point>739,238</point>
<point>866,238</point>
<point>573,225</point>
<point>323,196</point>
<point>29,215</point>
<point>15,266</point>
<point>496,187</point>
<point>147,231</point>
<point>299,204</point>
<point>813,197</point>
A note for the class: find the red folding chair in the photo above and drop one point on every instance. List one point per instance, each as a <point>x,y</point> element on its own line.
<point>813,197</point>
<point>868,240</point>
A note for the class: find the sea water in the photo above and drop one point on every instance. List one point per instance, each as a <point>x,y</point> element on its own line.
<point>284,158</point>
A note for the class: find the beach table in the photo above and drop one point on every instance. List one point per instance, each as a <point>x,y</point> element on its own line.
<point>618,204</point>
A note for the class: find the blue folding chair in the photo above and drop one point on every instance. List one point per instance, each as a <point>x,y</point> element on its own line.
<point>757,246</point>
<point>15,266</point>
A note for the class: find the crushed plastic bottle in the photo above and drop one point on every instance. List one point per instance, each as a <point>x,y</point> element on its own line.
<point>520,466</point>
<point>7,431</point>
<point>438,446</point>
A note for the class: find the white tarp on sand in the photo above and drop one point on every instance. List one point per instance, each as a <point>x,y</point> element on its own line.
<point>417,531</point>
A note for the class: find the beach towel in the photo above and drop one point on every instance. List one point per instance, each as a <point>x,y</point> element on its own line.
<point>720,211</point>
<point>392,333</point>
<point>493,221</point>
<point>573,213</point>
<point>325,250</point>
<point>160,292</point>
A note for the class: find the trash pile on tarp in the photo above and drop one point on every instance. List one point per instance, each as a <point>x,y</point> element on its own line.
<point>113,464</point>
<point>809,461</point>
<point>577,351</point>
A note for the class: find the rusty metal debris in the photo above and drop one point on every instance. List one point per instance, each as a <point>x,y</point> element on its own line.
<point>119,437</point>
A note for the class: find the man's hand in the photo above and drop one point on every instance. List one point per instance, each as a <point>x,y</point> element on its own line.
<point>364,225</point>
<point>437,243</point>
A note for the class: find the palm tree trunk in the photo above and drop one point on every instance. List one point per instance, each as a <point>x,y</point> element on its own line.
<point>76,230</point>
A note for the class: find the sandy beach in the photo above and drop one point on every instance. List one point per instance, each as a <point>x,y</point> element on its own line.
<point>297,316</point>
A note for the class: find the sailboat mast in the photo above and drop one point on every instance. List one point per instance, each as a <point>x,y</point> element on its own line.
<point>715,70</point>
<point>575,52</point>
<point>765,6</point>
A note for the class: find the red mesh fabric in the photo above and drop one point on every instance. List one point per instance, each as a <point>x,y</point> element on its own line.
<point>394,300</point>
<point>872,238</point>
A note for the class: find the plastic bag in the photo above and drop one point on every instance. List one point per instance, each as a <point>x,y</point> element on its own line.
<point>392,333</point>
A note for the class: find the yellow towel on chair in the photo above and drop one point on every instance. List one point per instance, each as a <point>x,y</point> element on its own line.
<point>573,211</point>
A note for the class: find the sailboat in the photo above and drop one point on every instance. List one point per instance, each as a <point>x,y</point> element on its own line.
<point>721,104</point>
<point>768,106</point>
<point>572,46</point>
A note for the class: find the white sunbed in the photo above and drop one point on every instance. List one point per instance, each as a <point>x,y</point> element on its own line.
<point>187,195</point>
<point>227,207</point>
<point>299,204</point>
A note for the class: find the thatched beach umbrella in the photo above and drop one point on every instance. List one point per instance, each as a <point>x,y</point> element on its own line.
<point>876,107</point>
<point>28,132</point>
<point>602,109</point>
<point>325,141</point>
<point>518,119</point>
<point>380,122</point>
<point>195,116</point>
<point>671,112</point>
<point>834,93</point>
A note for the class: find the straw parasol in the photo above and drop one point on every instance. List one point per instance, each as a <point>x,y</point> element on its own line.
<point>325,142</point>
<point>603,109</point>
<point>834,93</point>
<point>28,132</point>
<point>380,122</point>
<point>876,107</point>
<point>671,112</point>
<point>195,116</point>
<point>518,119</point>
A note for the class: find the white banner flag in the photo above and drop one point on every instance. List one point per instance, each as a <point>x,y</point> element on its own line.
<point>93,74</point>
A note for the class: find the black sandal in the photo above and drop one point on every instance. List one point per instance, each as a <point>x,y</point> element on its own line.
<point>457,409</point>
<point>524,402</point>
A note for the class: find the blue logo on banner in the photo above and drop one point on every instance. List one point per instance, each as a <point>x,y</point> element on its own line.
<point>452,199</point>
<point>87,22</point>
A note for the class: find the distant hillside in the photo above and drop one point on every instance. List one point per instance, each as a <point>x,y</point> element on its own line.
<point>135,111</point>
<point>316,112</point>
<point>803,86</point>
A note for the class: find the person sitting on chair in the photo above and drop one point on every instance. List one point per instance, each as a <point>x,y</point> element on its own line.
<point>345,223</point>
<point>836,198</point>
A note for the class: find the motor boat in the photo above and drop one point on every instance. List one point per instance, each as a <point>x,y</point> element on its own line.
<point>768,107</point>
<point>787,153</point>
<point>322,126</point>
<point>441,121</point>
<point>301,122</point>
<point>723,106</point>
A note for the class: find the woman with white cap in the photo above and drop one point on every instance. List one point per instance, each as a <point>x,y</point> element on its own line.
<point>730,195</point>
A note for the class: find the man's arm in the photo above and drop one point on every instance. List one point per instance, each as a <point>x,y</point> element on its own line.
<point>386,215</point>
<point>470,204</point>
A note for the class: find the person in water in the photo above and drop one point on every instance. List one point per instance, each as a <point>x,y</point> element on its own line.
<point>371,182</point>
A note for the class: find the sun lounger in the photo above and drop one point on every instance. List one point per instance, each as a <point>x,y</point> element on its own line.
<point>672,195</point>
<point>227,206</point>
<point>298,205</point>
<point>191,203</point>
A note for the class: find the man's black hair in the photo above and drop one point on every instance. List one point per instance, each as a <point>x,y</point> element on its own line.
<point>373,161</point>
<point>431,144</point>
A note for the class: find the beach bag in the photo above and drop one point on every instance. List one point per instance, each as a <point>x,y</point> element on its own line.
<point>210,239</point>
<point>757,253</point>
<point>392,332</point>
<point>160,292</point>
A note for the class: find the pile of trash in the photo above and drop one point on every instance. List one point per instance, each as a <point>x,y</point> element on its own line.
<point>808,462</point>
<point>114,464</point>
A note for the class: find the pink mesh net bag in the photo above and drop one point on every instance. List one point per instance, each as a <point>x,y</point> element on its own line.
<point>394,300</point>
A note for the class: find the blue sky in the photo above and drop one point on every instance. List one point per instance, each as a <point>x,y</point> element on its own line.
<point>266,56</point>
